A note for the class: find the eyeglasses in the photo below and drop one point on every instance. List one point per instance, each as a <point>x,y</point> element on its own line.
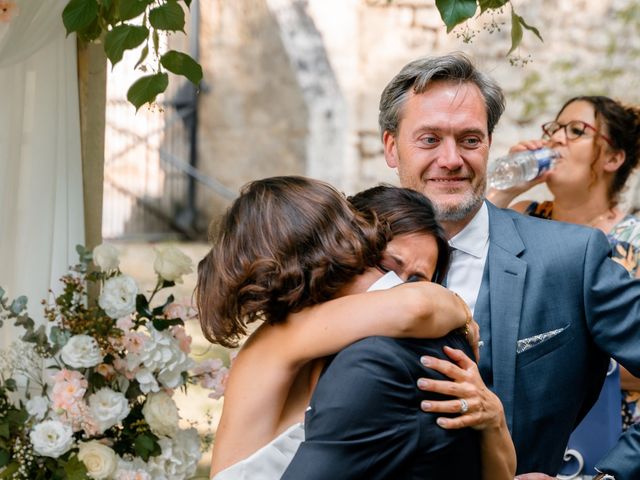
<point>573,130</point>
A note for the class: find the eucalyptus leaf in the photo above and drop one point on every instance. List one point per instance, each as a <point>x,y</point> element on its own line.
<point>11,384</point>
<point>188,3</point>
<point>169,16</point>
<point>59,337</point>
<point>147,88</point>
<point>121,38</point>
<point>454,12</point>
<point>182,64</point>
<point>18,305</point>
<point>79,14</point>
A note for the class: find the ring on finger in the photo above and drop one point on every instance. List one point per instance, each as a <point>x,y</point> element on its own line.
<point>464,406</point>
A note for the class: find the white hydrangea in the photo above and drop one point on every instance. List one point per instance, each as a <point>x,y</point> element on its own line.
<point>51,438</point>
<point>81,351</point>
<point>118,297</point>
<point>134,469</point>
<point>161,354</point>
<point>108,408</point>
<point>179,457</point>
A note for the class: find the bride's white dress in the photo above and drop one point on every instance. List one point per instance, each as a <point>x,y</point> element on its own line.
<point>270,462</point>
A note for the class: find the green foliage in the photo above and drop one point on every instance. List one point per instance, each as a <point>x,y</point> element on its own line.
<point>74,469</point>
<point>181,64</point>
<point>456,12</point>
<point>124,25</point>
<point>147,88</point>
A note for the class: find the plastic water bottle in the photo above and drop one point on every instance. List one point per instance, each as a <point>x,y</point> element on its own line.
<point>520,167</point>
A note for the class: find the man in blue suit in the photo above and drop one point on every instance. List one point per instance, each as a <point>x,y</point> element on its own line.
<point>364,420</point>
<point>552,306</point>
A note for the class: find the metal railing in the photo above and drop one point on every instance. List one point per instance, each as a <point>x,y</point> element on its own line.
<point>151,173</point>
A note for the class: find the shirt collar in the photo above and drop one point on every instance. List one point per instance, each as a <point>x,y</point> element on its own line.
<point>473,238</point>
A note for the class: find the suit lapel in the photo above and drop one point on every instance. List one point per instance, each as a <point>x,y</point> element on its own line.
<point>507,274</point>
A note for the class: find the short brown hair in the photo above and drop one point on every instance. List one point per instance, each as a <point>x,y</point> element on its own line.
<point>419,74</point>
<point>284,244</point>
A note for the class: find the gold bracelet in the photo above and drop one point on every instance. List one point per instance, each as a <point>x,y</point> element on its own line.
<point>468,314</point>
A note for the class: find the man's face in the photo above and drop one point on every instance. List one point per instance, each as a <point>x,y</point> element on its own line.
<point>442,146</point>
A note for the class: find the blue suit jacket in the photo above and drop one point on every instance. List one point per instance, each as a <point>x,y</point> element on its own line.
<point>365,420</point>
<point>553,287</point>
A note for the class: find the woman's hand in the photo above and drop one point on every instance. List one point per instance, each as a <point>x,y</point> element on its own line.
<point>484,409</point>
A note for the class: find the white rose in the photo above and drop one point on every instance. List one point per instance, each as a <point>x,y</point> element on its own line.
<point>100,460</point>
<point>171,263</point>
<point>108,408</point>
<point>105,256</point>
<point>37,407</point>
<point>118,297</point>
<point>51,438</point>
<point>81,351</point>
<point>161,414</point>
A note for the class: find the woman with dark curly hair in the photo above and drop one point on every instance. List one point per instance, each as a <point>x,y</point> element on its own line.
<point>294,254</point>
<point>598,139</point>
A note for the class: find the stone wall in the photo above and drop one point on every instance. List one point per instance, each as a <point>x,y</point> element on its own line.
<point>262,115</point>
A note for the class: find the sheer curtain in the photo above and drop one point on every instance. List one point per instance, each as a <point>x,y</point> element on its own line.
<point>41,210</point>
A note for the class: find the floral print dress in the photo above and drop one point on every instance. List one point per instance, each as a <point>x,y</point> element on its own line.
<point>625,243</point>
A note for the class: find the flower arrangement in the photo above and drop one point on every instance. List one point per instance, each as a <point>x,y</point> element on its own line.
<point>104,373</point>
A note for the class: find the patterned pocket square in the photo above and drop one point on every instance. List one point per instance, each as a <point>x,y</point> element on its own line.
<point>527,343</point>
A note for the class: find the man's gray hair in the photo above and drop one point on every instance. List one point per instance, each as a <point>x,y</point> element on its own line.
<point>417,76</point>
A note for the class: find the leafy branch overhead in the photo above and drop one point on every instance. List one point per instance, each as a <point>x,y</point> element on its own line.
<point>129,24</point>
<point>456,12</point>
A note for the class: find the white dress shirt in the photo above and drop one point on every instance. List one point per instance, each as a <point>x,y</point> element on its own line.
<point>470,248</point>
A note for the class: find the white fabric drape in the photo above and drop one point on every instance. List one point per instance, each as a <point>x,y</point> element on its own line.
<point>41,210</point>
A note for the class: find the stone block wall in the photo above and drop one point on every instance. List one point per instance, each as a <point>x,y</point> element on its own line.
<point>264,115</point>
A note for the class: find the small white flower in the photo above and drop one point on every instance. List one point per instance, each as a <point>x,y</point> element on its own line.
<point>37,407</point>
<point>118,297</point>
<point>161,414</point>
<point>171,263</point>
<point>108,408</point>
<point>51,438</point>
<point>105,256</point>
<point>100,460</point>
<point>81,351</point>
